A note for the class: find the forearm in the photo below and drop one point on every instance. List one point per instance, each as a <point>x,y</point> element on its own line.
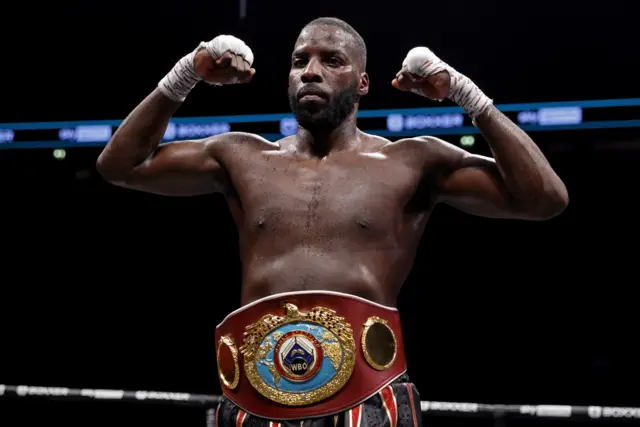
<point>139,134</point>
<point>527,174</point>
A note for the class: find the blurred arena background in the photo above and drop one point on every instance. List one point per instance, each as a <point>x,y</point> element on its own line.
<point>108,288</point>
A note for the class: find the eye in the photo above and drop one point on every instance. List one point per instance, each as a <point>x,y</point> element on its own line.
<point>334,61</point>
<point>298,62</point>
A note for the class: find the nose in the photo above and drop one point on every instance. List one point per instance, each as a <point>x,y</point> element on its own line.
<point>311,73</point>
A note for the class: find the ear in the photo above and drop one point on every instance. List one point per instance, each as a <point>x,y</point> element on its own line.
<point>363,87</point>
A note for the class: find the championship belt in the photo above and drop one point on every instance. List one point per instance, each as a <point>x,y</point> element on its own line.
<point>307,354</point>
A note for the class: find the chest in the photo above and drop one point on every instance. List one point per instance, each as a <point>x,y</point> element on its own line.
<point>340,194</point>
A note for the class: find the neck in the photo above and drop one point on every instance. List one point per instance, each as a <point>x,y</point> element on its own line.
<point>321,142</point>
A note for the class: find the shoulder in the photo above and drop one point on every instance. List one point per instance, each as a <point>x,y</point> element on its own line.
<point>239,138</point>
<point>432,145</point>
<point>426,150</point>
<point>228,139</point>
<point>374,140</point>
<point>232,142</point>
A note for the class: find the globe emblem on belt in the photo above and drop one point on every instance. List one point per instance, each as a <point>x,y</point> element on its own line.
<point>298,355</point>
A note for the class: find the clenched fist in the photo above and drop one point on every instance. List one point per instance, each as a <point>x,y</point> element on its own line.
<point>224,60</point>
<point>424,73</point>
<point>221,61</point>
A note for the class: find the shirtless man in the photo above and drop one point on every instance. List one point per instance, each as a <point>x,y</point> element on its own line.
<point>329,221</point>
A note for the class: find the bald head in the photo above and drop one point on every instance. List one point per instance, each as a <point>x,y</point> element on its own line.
<point>355,41</point>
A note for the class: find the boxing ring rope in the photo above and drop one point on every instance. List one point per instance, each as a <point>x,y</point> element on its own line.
<point>429,408</point>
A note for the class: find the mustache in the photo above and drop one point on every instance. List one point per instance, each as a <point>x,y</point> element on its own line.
<point>312,90</point>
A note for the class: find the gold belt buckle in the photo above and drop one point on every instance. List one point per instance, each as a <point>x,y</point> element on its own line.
<point>299,358</point>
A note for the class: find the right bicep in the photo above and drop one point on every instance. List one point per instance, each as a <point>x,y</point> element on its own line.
<point>185,168</point>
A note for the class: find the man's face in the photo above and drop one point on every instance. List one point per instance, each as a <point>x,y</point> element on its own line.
<point>325,83</point>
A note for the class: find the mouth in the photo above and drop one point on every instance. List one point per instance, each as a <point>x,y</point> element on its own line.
<point>311,93</point>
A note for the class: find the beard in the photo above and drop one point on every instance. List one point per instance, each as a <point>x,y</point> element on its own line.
<point>328,115</point>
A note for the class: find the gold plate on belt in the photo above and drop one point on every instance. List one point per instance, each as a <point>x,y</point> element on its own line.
<point>299,358</point>
<point>228,366</point>
<point>379,343</point>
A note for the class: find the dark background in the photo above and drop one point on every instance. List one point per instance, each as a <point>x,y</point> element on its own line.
<point>108,288</point>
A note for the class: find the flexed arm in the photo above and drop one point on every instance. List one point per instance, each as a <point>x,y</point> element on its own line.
<point>133,158</point>
<point>518,182</point>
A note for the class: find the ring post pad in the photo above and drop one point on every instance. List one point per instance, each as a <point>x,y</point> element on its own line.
<point>308,354</point>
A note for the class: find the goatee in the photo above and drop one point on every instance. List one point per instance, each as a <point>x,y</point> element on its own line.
<point>325,117</point>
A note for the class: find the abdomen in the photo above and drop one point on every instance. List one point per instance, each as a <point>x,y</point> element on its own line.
<point>372,274</point>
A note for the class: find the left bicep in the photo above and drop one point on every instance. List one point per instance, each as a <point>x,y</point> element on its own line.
<point>474,185</point>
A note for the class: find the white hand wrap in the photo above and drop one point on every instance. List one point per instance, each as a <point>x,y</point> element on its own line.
<point>222,44</point>
<point>177,84</point>
<point>422,61</point>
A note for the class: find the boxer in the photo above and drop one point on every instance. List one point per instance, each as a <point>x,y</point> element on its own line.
<point>329,220</point>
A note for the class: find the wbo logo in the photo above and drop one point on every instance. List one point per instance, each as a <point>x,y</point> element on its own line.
<point>299,355</point>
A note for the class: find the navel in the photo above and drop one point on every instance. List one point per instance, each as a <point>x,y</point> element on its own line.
<point>260,222</point>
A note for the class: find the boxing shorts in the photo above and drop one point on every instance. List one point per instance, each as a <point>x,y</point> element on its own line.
<point>313,354</point>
